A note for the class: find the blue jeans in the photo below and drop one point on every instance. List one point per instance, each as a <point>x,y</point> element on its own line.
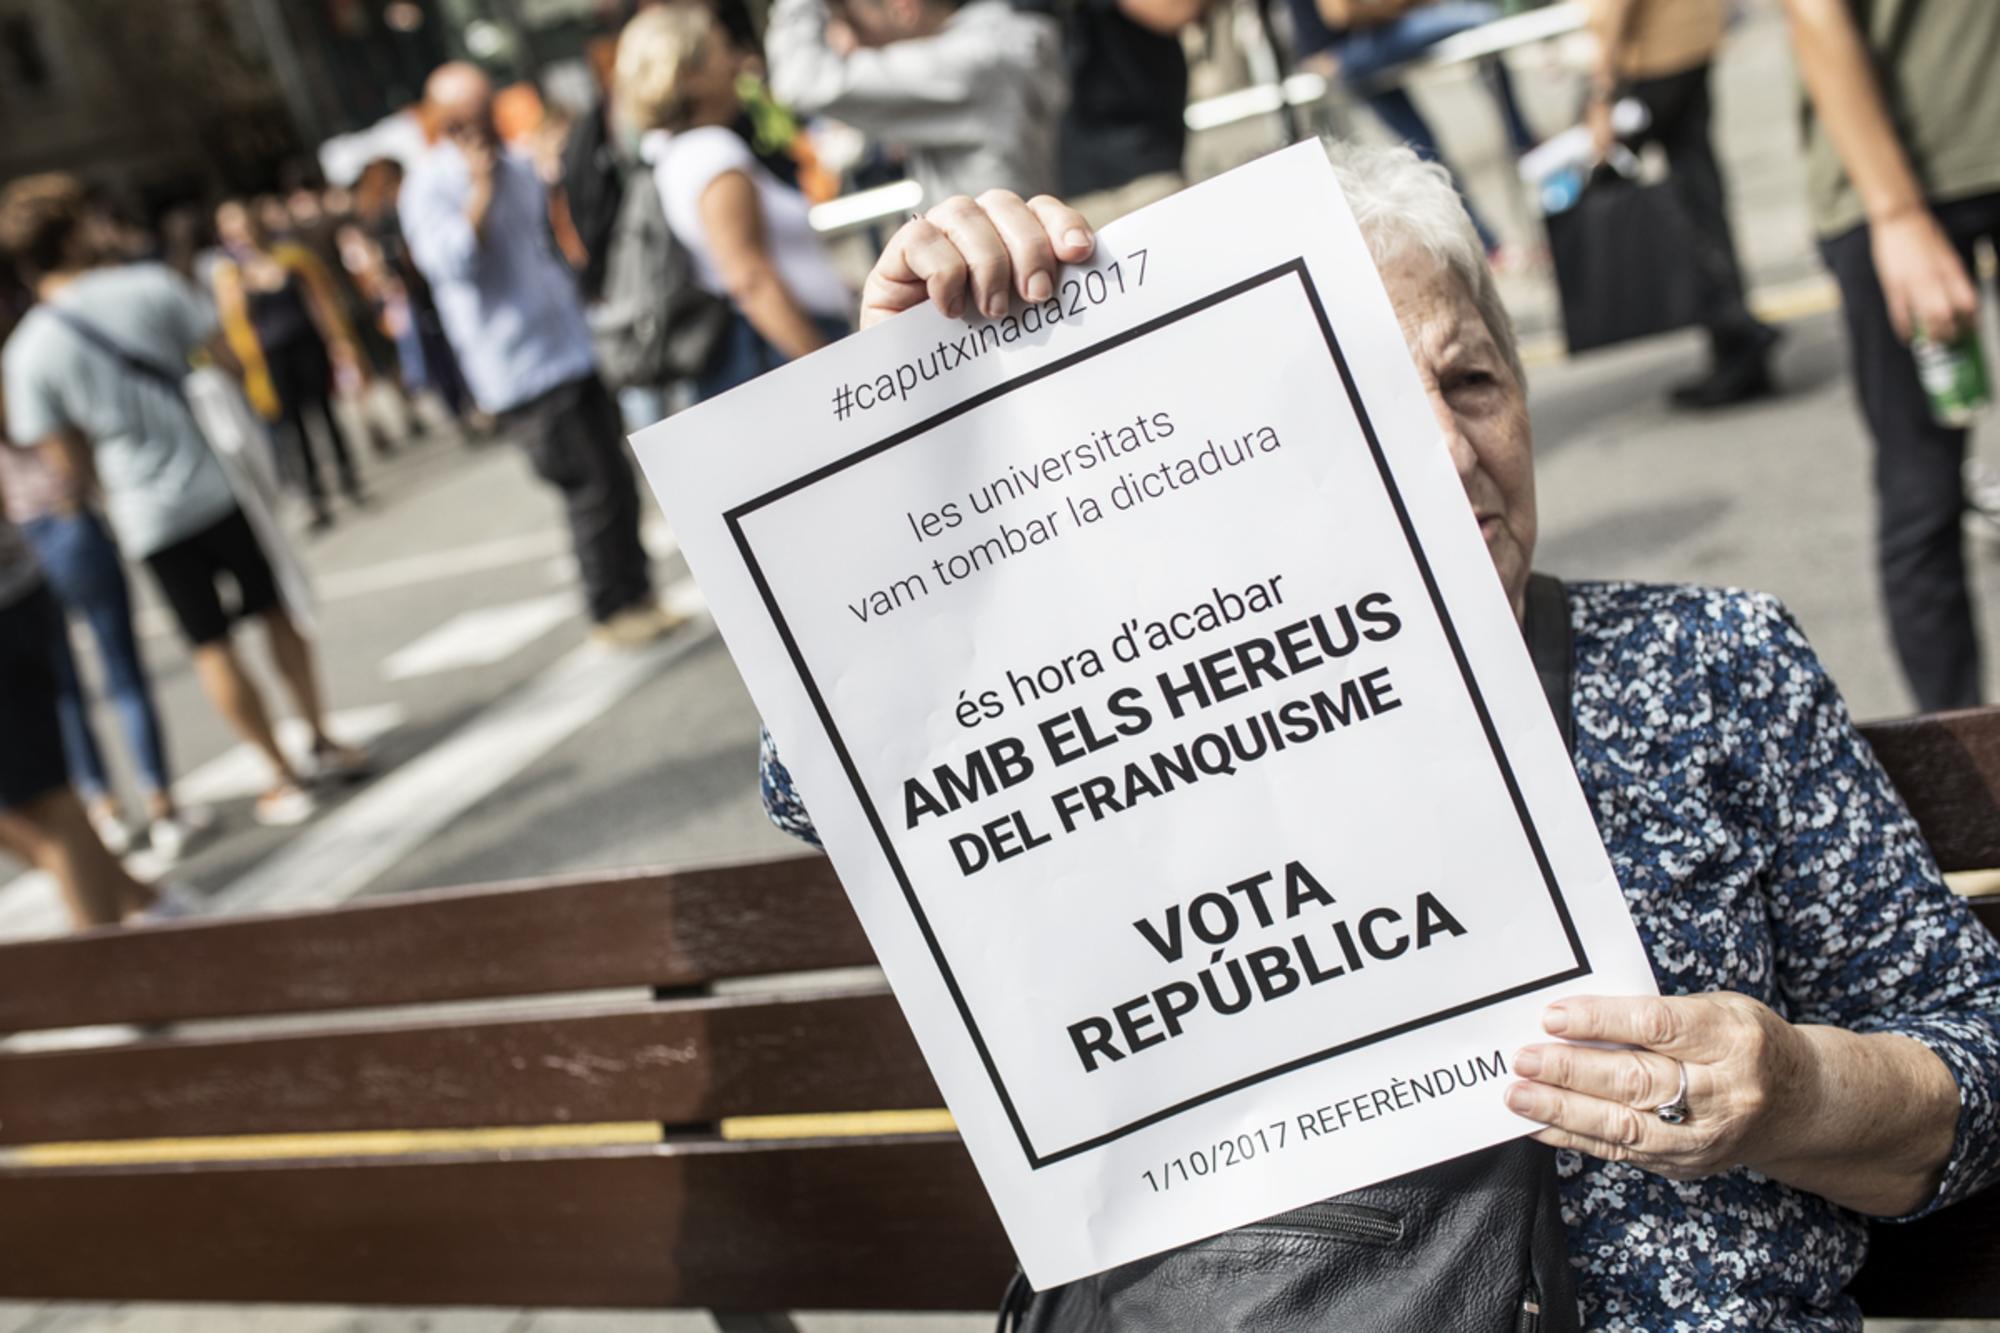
<point>81,564</point>
<point>1367,53</point>
<point>744,354</point>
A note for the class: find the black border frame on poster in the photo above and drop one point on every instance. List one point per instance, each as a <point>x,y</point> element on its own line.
<point>1294,268</point>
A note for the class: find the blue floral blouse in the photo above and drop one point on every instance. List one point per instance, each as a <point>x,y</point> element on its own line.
<point>1762,850</point>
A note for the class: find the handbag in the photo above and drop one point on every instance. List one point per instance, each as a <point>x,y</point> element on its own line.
<point>1625,264</point>
<point>240,446</point>
<point>1472,1245</point>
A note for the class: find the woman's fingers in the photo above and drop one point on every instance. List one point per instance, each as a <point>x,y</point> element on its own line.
<point>987,264</point>
<point>1635,1078</point>
<point>1067,231</point>
<point>978,255</point>
<point>1603,1122</point>
<point>1029,248</point>
<point>1675,1025</point>
<point>919,263</point>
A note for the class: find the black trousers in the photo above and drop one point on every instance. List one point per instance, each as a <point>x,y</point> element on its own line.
<point>303,382</point>
<point>1681,112</point>
<point>1919,472</point>
<point>576,442</point>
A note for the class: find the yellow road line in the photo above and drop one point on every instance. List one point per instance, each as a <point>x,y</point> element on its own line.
<point>1773,305</point>
<point>1798,300</point>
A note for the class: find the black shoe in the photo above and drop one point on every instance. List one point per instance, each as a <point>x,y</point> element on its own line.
<point>1742,374</point>
<point>1726,386</point>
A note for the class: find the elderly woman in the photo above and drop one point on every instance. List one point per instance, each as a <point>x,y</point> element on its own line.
<point>1835,1009</point>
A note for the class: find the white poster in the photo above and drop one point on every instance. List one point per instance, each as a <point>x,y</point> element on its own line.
<point>1148,680</point>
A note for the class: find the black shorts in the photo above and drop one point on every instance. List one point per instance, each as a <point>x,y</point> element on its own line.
<point>31,751</point>
<point>187,571</point>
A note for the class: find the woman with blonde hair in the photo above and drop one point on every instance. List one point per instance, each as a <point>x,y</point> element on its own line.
<point>746,231</point>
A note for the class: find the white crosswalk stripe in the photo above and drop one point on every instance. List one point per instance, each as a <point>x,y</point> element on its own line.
<point>479,637</point>
<point>335,858</point>
<point>30,904</point>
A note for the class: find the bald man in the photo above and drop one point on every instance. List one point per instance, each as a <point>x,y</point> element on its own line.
<point>477,221</point>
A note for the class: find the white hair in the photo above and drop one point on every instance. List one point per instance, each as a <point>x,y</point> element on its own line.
<point>1402,203</point>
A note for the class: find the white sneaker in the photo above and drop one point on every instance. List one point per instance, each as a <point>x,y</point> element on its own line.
<point>637,626</point>
<point>111,831</point>
<point>171,902</point>
<point>284,806</point>
<point>171,835</point>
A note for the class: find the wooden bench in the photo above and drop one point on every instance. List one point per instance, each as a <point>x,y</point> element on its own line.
<point>695,1218</point>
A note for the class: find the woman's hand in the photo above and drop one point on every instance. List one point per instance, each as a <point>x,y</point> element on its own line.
<point>991,249</point>
<point>1748,1071</point>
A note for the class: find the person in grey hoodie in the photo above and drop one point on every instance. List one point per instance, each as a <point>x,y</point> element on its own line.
<point>972,93</point>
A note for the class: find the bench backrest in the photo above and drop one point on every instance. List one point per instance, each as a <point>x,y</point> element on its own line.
<point>695,1218</point>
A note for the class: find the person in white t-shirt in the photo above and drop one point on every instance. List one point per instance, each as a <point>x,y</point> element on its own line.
<point>746,230</point>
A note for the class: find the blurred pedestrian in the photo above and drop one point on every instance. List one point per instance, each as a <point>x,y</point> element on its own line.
<point>185,232</point>
<point>312,214</point>
<point>1368,40</point>
<point>83,573</point>
<point>41,820</point>
<point>971,92</point>
<point>422,350</point>
<point>285,326</point>
<point>1903,168</point>
<point>477,221</point>
<point>92,378</point>
<point>1121,143</point>
<point>747,231</point>
<point>1660,53</point>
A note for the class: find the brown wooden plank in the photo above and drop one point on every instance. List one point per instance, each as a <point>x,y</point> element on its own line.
<point>881,1224</point>
<point>679,928</point>
<point>1947,766</point>
<point>685,1062</point>
<point>1945,1267</point>
<point>542,937</point>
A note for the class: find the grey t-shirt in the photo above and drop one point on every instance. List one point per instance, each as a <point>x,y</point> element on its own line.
<point>160,482</point>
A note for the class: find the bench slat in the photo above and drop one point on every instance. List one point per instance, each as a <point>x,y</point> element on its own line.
<point>686,1062</point>
<point>680,928</point>
<point>1947,767</point>
<point>881,1224</point>
<point>534,938</point>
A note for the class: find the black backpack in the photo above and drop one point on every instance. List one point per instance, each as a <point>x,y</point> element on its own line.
<point>1473,1245</point>
<point>654,324</point>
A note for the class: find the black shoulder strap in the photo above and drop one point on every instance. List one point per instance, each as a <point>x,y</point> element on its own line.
<point>104,342</point>
<point>1547,628</point>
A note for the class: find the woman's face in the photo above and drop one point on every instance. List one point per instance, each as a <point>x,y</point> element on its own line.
<point>232,227</point>
<point>1480,406</point>
<point>711,85</point>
